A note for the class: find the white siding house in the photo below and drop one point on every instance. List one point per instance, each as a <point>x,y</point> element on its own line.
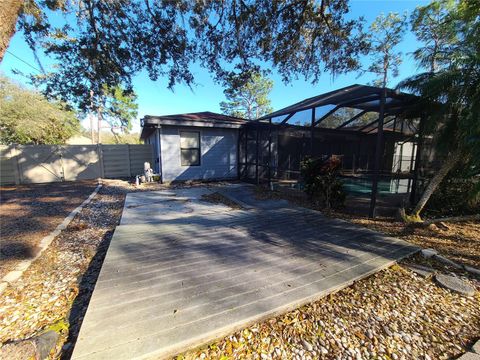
<point>199,146</point>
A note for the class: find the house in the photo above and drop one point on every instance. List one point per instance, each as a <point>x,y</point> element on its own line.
<point>195,146</point>
<point>210,146</point>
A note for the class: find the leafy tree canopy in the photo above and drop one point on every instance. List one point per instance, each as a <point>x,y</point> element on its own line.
<point>105,43</point>
<point>27,117</point>
<point>386,32</point>
<point>119,108</point>
<point>344,114</point>
<point>247,100</point>
<point>450,94</point>
<point>117,138</point>
<point>435,28</point>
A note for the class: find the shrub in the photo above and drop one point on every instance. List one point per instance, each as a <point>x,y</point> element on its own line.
<point>457,194</point>
<point>322,185</point>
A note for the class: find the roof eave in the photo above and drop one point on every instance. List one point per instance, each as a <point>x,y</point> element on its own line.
<point>152,121</point>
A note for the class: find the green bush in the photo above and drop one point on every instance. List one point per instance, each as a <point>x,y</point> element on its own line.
<point>458,194</point>
<point>322,185</point>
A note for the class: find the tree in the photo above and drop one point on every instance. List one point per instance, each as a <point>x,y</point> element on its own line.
<point>386,32</point>
<point>450,100</point>
<point>119,138</point>
<point>118,109</point>
<point>27,117</point>
<point>344,114</point>
<point>9,12</point>
<point>248,100</point>
<point>433,26</point>
<point>105,43</point>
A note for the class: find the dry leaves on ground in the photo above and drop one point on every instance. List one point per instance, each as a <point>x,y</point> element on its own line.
<point>394,314</point>
<point>30,212</point>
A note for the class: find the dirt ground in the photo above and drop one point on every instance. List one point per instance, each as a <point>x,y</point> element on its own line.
<point>30,212</point>
<point>460,243</point>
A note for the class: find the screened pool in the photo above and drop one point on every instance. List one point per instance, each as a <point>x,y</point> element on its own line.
<point>363,185</point>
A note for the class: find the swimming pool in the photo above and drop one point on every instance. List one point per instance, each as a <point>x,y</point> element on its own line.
<point>363,185</point>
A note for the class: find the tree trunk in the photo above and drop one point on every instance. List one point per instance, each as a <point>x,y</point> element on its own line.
<point>434,182</point>
<point>99,125</point>
<point>9,11</point>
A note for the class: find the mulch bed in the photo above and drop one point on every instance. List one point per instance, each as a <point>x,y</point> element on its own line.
<point>460,243</point>
<point>30,212</point>
<point>54,292</point>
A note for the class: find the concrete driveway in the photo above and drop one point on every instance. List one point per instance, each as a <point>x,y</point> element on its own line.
<point>181,272</point>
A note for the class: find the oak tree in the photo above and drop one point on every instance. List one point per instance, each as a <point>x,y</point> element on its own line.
<point>105,43</point>
<point>27,117</point>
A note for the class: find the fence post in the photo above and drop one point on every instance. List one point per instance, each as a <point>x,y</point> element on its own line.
<point>14,156</point>
<point>62,167</point>
<point>129,161</point>
<point>100,160</point>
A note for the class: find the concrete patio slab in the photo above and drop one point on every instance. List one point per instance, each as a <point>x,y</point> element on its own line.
<point>188,278</point>
<point>155,206</point>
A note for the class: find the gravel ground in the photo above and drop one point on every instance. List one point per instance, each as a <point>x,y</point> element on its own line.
<point>394,314</point>
<point>54,292</point>
<point>30,212</point>
<point>217,198</point>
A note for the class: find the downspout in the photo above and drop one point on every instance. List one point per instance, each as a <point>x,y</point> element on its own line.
<point>159,149</point>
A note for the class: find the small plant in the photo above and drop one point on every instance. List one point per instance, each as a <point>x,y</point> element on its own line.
<point>321,182</point>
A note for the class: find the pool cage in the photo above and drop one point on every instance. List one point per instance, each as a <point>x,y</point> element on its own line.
<point>374,138</point>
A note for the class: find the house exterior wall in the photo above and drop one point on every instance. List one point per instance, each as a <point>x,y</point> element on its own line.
<point>152,140</point>
<point>218,149</point>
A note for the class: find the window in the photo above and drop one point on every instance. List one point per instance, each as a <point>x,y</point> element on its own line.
<point>190,148</point>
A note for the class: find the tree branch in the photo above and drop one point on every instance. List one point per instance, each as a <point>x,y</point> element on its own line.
<point>452,219</point>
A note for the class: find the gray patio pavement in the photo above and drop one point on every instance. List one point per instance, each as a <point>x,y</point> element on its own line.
<point>181,272</point>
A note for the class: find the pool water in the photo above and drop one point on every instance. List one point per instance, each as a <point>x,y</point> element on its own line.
<point>363,185</point>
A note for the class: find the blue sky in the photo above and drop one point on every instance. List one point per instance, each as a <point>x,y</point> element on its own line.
<point>155,99</point>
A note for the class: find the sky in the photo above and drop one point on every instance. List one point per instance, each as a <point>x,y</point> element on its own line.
<point>155,99</point>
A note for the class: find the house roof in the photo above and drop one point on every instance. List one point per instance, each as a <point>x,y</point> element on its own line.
<point>199,119</point>
<point>356,96</point>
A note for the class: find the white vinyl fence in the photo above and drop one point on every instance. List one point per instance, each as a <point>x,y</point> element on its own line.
<point>24,164</point>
